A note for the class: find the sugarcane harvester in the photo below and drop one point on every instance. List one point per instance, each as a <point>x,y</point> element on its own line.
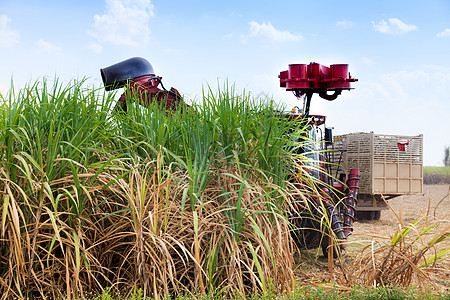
<point>138,77</point>
<point>338,199</point>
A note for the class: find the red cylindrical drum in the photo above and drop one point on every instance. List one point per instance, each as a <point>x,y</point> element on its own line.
<point>339,71</point>
<point>297,71</point>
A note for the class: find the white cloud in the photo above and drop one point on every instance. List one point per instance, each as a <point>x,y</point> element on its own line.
<point>394,26</point>
<point>96,48</point>
<point>368,61</point>
<point>266,30</point>
<point>345,24</point>
<point>8,37</point>
<point>126,22</point>
<point>48,47</point>
<point>446,32</point>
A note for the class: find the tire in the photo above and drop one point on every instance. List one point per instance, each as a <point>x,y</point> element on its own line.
<point>368,215</point>
<point>374,215</point>
<point>362,215</point>
<point>377,215</point>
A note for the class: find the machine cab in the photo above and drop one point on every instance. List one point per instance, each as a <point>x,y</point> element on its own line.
<point>309,141</point>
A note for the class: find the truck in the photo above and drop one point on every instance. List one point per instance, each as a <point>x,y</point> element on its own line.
<point>390,166</point>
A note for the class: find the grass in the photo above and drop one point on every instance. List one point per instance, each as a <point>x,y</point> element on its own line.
<point>437,170</point>
<point>416,254</point>
<point>152,203</point>
<point>328,292</point>
<point>356,293</point>
<point>436,175</point>
<point>166,202</point>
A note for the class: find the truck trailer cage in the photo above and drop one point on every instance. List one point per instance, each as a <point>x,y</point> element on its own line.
<point>390,165</point>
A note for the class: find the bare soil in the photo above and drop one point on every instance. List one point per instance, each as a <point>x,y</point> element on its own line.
<point>408,208</point>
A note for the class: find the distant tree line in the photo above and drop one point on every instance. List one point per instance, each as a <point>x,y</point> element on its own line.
<point>447,156</point>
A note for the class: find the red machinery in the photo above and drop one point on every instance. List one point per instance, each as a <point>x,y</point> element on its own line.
<point>138,76</point>
<point>315,78</point>
<point>305,80</point>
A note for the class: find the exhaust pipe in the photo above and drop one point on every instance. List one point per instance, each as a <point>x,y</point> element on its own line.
<point>117,75</point>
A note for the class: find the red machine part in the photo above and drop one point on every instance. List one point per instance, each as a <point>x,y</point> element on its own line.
<point>145,90</point>
<point>350,203</point>
<point>316,78</point>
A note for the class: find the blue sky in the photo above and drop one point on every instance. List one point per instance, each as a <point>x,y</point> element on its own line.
<point>399,51</point>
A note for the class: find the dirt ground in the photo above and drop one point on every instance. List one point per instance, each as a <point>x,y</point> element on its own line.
<point>435,203</point>
<point>408,208</point>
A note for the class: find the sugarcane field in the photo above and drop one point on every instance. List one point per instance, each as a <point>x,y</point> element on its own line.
<point>230,198</point>
<point>208,150</point>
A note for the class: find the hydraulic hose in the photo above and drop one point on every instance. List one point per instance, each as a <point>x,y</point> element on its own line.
<point>352,199</point>
<point>335,220</point>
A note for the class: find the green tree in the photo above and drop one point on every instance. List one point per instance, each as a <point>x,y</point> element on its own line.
<point>447,156</point>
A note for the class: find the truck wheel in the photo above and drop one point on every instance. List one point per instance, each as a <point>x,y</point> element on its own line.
<point>362,215</point>
<point>368,215</point>
<point>376,215</point>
